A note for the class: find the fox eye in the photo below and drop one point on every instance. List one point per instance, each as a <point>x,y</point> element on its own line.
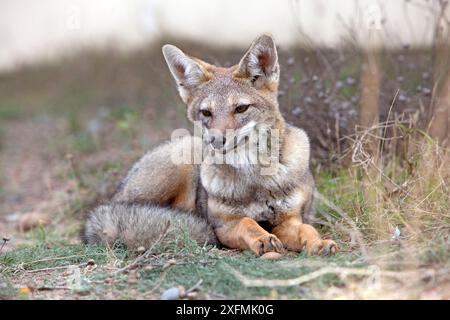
<point>206,113</point>
<point>241,108</point>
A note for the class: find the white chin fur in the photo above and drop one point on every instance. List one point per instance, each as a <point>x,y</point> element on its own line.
<point>231,139</point>
<point>241,134</point>
<point>242,156</point>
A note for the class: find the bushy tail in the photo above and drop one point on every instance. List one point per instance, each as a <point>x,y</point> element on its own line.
<point>140,226</point>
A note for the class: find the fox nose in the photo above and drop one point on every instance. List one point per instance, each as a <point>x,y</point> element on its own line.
<point>218,142</point>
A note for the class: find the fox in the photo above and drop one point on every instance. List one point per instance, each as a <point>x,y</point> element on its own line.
<point>228,203</point>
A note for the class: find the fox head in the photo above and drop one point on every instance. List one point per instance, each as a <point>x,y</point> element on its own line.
<point>229,102</point>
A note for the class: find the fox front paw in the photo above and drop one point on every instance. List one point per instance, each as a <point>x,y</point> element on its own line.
<point>313,244</point>
<point>267,243</point>
<point>320,247</point>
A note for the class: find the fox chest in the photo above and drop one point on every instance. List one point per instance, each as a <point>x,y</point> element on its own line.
<point>244,196</point>
<point>264,207</point>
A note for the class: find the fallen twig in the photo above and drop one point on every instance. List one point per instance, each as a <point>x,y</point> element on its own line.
<point>55,268</point>
<point>44,288</point>
<point>5,240</point>
<point>56,258</point>
<point>195,286</point>
<point>342,272</point>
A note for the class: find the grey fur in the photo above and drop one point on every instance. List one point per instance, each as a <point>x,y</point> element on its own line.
<point>137,225</point>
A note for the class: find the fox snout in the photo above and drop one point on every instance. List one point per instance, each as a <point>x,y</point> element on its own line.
<point>229,138</point>
<point>218,138</point>
<point>221,129</point>
<point>218,142</point>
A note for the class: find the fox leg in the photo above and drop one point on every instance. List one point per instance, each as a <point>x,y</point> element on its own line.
<point>245,234</point>
<point>297,236</point>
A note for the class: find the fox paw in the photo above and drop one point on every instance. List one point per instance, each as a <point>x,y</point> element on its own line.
<point>321,247</point>
<point>311,242</point>
<point>267,243</point>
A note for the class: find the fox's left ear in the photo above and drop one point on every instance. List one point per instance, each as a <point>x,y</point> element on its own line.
<point>260,64</point>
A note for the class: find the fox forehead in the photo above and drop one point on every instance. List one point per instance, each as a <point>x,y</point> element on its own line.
<point>224,90</point>
<point>231,99</point>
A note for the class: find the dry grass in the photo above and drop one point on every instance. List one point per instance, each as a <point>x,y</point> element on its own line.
<point>393,206</point>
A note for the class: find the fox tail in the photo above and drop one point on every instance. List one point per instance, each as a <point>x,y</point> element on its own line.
<point>140,226</point>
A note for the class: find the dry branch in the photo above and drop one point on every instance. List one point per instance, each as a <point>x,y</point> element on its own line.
<point>374,271</point>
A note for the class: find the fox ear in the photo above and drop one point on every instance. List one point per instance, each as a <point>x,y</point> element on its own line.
<point>187,72</point>
<point>260,64</point>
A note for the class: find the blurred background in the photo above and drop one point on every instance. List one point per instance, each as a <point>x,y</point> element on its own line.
<point>32,31</point>
<point>84,90</point>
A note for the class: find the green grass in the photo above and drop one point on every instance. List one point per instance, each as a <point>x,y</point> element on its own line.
<point>190,264</point>
<point>10,112</point>
<point>182,262</point>
<point>41,256</point>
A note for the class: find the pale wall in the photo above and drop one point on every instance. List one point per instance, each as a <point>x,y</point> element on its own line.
<point>32,30</point>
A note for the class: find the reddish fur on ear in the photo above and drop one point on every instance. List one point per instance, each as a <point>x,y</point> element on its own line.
<point>260,64</point>
<point>263,59</point>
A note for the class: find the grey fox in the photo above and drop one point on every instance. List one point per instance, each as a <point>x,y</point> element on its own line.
<point>227,202</point>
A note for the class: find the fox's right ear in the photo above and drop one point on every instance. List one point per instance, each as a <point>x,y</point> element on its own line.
<point>187,72</point>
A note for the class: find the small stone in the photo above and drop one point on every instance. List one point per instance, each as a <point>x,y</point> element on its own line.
<point>169,263</point>
<point>67,273</point>
<point>140,249</point>
<point>174,293</point>
<point>148,268</point>
<point>308,100</point>
<point>350,81</point>
<point>426,91</point>
<point>271,256</point>
<point>191,295</point>
<point>296,111</point>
